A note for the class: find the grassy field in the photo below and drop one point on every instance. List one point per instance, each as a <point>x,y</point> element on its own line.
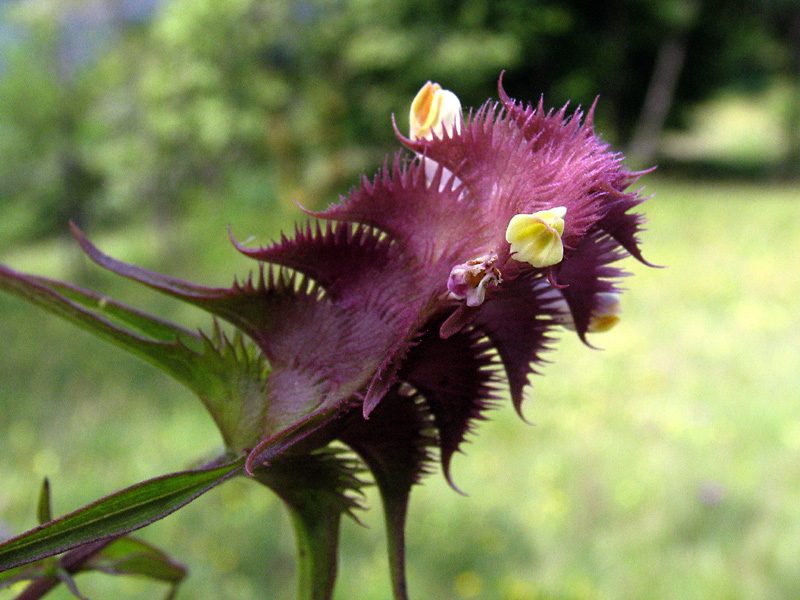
<point>666,466</point>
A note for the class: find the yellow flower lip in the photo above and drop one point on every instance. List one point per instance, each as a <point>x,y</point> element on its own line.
<point>432,111</point>
<point>536,238</point>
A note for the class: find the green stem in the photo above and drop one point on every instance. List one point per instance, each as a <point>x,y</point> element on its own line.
<point>317,536</point>
<point>394,512</point>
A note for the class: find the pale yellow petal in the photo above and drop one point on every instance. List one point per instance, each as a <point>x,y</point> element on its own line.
<point>536,238</point>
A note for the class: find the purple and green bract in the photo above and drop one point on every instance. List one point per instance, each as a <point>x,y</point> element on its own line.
<point>350,331</point>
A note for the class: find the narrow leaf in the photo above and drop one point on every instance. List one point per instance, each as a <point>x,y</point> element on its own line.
<point>46,294</point>
<point>119,513</point>
<point>147,324</point>
<point>47,573</point>
<point>65,578</point>
<point>220,372</point>
<point>44,513</point>
<point>132,556</point>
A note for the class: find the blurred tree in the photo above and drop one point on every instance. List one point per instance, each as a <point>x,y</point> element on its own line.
<point>298,93</point>
<point>785,21</point>
<point>44,176</point>
<point>191,107</point>
<point>302,90</point>
<point>246,100</point>
<point>678,18</point>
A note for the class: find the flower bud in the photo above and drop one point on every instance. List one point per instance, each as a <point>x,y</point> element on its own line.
<point>434,111</point>
<point>606,309</point>
<point>606,312</point>
<point>470,280</point>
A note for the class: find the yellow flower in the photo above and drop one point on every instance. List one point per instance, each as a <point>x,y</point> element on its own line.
<point>434,111</point>
<point>536,239</point>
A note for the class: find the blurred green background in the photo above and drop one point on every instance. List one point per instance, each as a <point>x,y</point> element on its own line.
<point>666,466</point>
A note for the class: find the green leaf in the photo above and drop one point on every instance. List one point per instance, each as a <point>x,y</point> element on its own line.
<point>228,376</point>
<point>103,305</point>
<point>131,556</point>
<point>92,312</point>
<point>114,515</point>
<point>121,556</point>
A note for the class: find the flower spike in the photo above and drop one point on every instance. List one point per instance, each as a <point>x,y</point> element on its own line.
<point>392,323</point>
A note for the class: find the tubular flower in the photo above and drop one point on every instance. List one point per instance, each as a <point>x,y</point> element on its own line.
<point>392,321</point>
